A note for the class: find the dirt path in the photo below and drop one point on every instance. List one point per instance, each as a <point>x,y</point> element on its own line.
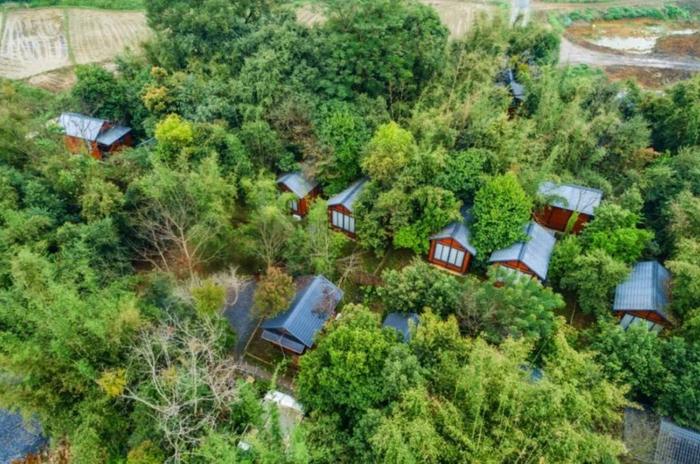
<point>572,53</point>
<point>551,6</point>
<point>520,9</point>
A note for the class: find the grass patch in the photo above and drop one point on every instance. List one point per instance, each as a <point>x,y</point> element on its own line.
<point>102,4</point>
<point>669,12</point>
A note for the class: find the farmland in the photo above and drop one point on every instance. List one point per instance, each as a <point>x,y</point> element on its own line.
<point>46,40</point>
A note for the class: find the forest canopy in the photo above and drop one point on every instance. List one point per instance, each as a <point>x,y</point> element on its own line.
<point>115,273</point>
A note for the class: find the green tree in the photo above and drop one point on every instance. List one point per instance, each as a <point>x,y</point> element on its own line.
<point>509,306</point>
<point>501,209</point>
<point>389,151</point>
<point>100,93</point>
<point>343,374</point>
<point>615,231</point>
<point>273,293</point>
<point>593,276</point>
<point>419,286</point>
<point>385,48</point>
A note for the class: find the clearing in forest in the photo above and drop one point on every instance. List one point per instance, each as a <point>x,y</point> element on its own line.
<point>44,40</point>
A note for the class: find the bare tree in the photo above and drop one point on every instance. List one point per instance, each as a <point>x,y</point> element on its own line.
<point>270,228</point>
<point>187,382</point>
<point>174,234</point>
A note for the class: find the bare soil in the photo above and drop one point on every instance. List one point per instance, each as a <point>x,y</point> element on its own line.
<point>687,45</point>
<point>650,78</point>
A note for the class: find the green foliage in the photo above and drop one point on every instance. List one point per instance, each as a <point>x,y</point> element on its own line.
<point>686,271</point>
<point>501,209</point>
<point>104,4</point>
<point>273,293</point>
<point>593,276</point>
<point>315,248</point>
<point>145,453</point>
<point>419,286</point>
<point>463,173</point>
<point>509,305</point>
<point>343,374</point>
<point>385,48</point>
<point>344,132</point>
<point>389,151</point>
<point>100,93</point>
<point>209,298</point>
<point>660,371</point>
<point>615,231</point>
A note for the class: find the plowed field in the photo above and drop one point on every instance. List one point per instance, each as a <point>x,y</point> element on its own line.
<point>34,42</point>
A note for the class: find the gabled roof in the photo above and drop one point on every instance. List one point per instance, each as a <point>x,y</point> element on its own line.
<point>646,289</point>
<point>18,439</point>
<point>81,126</point>
<point>572,197</point>
<point>297,183</point>
<point>112,135</point>
<point>348,196</point>
<point>535,253</point>
<point>307,312</point>
<point>459,232</point>
<point>677,445</point>
<point>401,322</point>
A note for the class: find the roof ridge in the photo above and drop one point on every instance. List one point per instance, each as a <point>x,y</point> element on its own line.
<point>352,189</point>
<point>304,294</point>
<point>523,248</point>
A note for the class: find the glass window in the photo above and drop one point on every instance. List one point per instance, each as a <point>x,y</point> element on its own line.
<point>449,255</point>
<point>294,204</point>
<point>343,221</point>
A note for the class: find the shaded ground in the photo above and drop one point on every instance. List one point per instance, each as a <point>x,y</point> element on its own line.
<point>240,317</point>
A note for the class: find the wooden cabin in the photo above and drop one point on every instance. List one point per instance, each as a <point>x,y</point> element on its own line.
<point>530,257</point>
<point>451,248</point>
<point>97,137</point>
<point>644,297</point>
<point>304,190</point>
<point>295,329</point>
<point>563,201</point>
<point>340,208</point>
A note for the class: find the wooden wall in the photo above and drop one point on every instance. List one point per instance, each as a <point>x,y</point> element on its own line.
<point>451,243</point>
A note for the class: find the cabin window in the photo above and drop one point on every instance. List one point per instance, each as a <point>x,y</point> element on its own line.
<point>343,221</point>
<point>449,255</point>
<point>294,205</point>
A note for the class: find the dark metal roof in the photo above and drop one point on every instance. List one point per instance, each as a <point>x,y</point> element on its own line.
<point>308,311</point>
<point>297,183</point>
<point>535,253</point>
<point>459,232</point>
<point>112,135</point>
<point>402,323</point>
<point>677,445</point>
<point>18,439</point>
<point>572,197</point>
<point>286,342</point>
<point>646,289</point>
<point>348,196</point>
<point>81,126</point>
